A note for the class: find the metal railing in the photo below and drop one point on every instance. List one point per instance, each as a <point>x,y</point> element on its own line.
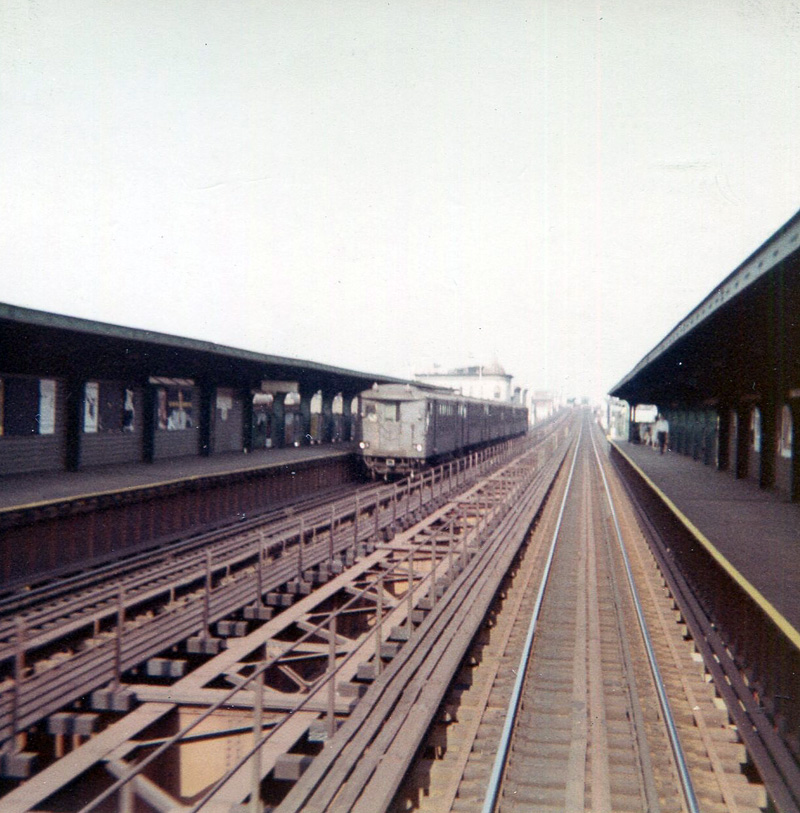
<point>758,641</point>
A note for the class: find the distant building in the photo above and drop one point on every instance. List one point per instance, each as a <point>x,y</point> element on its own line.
<point>490,381</point>
<point>541,406</point>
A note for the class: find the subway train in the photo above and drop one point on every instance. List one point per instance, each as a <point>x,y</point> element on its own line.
<point>404,427</point>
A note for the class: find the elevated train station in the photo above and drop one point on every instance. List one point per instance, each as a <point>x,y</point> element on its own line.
<point>380,624</point>
<point>103,426</point>
<point>76,394</point>
<point>726,492</point>
<point>727,377</point>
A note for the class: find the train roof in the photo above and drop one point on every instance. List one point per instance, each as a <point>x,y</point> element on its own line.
<point>410,392</point>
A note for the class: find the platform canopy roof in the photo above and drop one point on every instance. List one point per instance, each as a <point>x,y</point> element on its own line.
<point>45,344</point>
<point>742,342</point>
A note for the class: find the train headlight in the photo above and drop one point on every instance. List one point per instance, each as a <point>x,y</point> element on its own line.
<point>418,447</point>
<point>363,444</point>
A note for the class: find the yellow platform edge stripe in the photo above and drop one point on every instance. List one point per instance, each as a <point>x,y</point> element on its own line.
<point>778,619</point>
<point>12,509</point>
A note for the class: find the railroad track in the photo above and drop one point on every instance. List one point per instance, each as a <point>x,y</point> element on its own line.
<point>582,720</point>
<point>366,760</point>
<point>52,611</point>
<point>369,724</point>
<point>439,604</point>
<point>773,755</point>
<point>353,632</point>
<point>92,641</point>
<point>30,597</point>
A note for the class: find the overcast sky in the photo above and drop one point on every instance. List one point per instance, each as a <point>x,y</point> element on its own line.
<point>388,185</point>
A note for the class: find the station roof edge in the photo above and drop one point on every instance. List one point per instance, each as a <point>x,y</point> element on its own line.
<point>31,316</point>
<point>783,243</point>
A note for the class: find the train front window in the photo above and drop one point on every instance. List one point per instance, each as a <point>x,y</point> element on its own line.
<point>390,410</point>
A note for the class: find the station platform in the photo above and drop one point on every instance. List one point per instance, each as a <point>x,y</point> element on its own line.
<point>757,531</point>
<point>28,490</point>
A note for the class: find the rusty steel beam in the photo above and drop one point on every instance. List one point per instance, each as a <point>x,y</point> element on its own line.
<point>114,657</point>
<point>371,752</point>
<point>756,665</point>
<point>43,541</point>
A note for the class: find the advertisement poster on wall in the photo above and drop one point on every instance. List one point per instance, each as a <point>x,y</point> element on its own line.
<point>90,402</point>
<point>47,406</point>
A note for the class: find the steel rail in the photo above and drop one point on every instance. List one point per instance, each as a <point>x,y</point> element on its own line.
<point>765,746</point>
<point>395,757</point>
<point>131,565</point>
<point>32,597</point>
<point>192,555</point>
<point>43,693</point>
<point>391,752</point>
<point>268,663</point>
<point>498,767</point>
<point>228,552</point>
<point>677,750</point>
<point>47,691</point>
<point>372,751</point>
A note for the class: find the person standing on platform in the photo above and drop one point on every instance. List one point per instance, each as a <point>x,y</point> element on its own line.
<point>662,432</point>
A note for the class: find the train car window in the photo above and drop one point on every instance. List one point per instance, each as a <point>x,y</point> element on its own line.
<point>390,411</point>
<point>369,411</point>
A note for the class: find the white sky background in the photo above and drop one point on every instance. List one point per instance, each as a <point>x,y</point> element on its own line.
<point>384,186</point>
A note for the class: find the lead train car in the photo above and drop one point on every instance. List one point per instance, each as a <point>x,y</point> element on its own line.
<point>404,427</point>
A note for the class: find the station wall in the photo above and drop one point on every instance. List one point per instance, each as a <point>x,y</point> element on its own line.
<point>228,429</point>
<point>112,427</point>
<point>50,424</point>
<point>746,441</point>
<point>32,424</point>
